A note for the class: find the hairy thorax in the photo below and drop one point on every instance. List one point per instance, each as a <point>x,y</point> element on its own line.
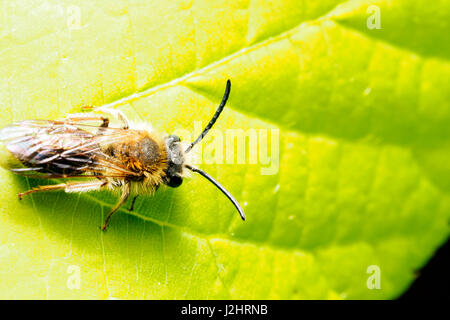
<point>142,154</point>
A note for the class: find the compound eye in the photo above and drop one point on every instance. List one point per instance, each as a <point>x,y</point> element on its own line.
<point>175,181</point>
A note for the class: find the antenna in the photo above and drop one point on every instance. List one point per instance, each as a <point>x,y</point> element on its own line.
<point>214,118</point>
<point>220,187</point>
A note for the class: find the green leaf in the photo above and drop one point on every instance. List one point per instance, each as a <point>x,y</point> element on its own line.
<point>363,175</point>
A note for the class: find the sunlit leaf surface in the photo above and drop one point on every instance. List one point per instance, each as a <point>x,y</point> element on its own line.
<point>364,174</point>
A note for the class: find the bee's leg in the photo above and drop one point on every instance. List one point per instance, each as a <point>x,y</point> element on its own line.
<point>51,187</point>
<point>68,187</point>
<point>132,203</point>
<point>115,113</point>
<point>122,200</point>
<point>85,186</point>
<point>79,117</point>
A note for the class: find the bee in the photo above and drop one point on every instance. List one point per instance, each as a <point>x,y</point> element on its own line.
<point>133,161</point>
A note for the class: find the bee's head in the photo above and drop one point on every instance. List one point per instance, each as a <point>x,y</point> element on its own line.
<point>175,156</point>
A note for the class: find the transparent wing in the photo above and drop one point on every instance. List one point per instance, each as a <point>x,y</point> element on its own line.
<point>63,149</point>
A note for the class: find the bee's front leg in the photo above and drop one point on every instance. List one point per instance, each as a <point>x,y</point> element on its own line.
<point>122,200</point>
<point>132,203</point>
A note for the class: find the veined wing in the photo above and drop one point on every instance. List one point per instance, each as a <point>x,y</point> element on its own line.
<point>64,149</point>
